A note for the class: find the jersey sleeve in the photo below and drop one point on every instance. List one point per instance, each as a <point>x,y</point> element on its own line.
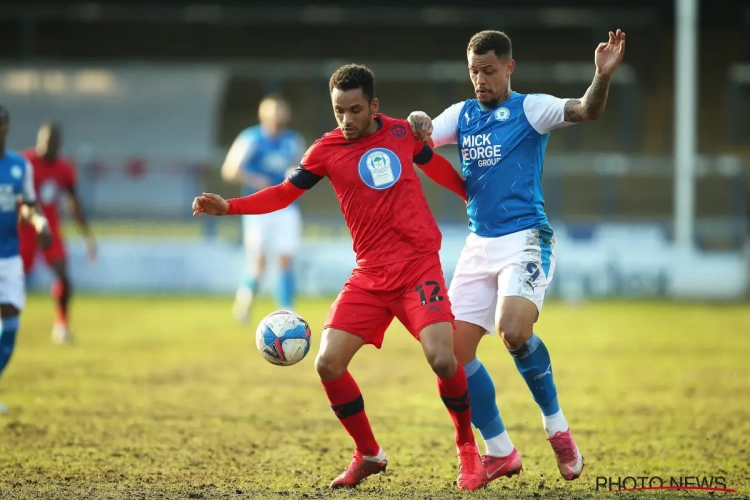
<point>28,195</point>
<point>442,172</point>
<point>266,200</point>
<point>311,169</point>
<point>545,112</point>
<point>445,126</point>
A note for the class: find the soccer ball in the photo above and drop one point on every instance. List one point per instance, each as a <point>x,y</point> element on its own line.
<point>283,338</point>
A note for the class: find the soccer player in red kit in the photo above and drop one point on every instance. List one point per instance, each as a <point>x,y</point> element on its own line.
<point>53,175</point>
<point>369,160</point>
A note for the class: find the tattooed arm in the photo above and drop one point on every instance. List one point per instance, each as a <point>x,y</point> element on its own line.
<point>607,57</point>
<point>591,105</point>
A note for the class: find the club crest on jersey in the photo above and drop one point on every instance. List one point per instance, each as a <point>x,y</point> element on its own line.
<point>379,168</point>
<point>48,192</point>
<point>502,114</point>
<point>16,172</point>
<point>398,131</point>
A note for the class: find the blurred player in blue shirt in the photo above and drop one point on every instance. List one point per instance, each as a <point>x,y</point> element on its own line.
<point>260,157</point>
<point>17,203</point>
<point>508,260</point>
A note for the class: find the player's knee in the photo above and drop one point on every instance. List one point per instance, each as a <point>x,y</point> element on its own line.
<point>443,363</point>
<point>514,331</point>
<point>62,287</point>
<point>62,278</point>
<point>329,367</point>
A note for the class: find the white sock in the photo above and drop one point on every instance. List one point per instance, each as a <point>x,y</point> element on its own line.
<point>499,446</point>
<point>244,295</point>
<point>380,457</point>
<point>555,423</point>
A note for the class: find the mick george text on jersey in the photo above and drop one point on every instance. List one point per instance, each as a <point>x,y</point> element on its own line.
<point>479,148</point>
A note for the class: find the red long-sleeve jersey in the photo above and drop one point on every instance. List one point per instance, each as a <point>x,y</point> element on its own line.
<point>377,187</point>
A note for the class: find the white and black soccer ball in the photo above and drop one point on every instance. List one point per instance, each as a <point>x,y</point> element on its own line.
<point>283,338</point>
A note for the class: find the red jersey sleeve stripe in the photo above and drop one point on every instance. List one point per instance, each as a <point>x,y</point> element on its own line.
<point>424,156</point>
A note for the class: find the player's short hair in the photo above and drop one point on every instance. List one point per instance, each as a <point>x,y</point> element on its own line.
<point>351,77</point>
<point>275,96</point>
<point>488,40</point>
<point>4,114</point>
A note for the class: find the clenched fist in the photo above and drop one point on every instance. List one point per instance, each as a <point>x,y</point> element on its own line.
<point>210,204</point>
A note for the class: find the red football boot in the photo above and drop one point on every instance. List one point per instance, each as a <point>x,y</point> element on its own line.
<point>359,468</point>
<point>471,475</point>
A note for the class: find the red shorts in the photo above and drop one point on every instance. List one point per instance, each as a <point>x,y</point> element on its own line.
<point>28,239</point>
<point>413,291</point>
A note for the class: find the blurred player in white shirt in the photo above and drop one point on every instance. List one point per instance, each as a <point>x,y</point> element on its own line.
<point>262,156</point>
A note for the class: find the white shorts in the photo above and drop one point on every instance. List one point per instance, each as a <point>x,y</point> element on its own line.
<point>277,233</point>
<point>519,264</point>
<point>12,286</point>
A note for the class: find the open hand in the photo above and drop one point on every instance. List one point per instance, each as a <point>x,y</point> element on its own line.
<point>421,125</point>
<point>210,204</point>
<point>608,56</point>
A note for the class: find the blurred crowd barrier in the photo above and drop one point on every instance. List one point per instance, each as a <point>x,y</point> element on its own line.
<point>148,137</point>
<point>613,260</point>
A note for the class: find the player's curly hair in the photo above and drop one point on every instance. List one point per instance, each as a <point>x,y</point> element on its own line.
<point>4,114</point>
<point>488,40</point>
<point>353,76</point>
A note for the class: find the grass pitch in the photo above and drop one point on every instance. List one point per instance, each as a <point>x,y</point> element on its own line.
<point>168,398</point>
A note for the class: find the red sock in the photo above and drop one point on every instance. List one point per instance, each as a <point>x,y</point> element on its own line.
<point>454,392</point>
<point>61,293</point>
<point>346,401</point>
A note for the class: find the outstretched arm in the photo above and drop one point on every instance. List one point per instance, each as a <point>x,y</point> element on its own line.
<point>264,201</point>
<point>440,170</point>
<point>591,105</point>
<point>311,170</point>
<point>607,58</point>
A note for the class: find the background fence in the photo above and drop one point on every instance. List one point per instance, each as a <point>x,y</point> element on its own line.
<point>151,97</point>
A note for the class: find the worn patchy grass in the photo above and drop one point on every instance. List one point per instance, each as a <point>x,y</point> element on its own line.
<point>167,398</point>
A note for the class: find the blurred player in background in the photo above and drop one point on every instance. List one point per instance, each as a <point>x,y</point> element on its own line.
<point>370,161</point>
<point>508,260</point>
<point>260,157</point>
<point>53,176</point>
<point>16,184</point>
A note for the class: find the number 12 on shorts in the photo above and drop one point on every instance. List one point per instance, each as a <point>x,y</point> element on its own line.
<point>431,287</point>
